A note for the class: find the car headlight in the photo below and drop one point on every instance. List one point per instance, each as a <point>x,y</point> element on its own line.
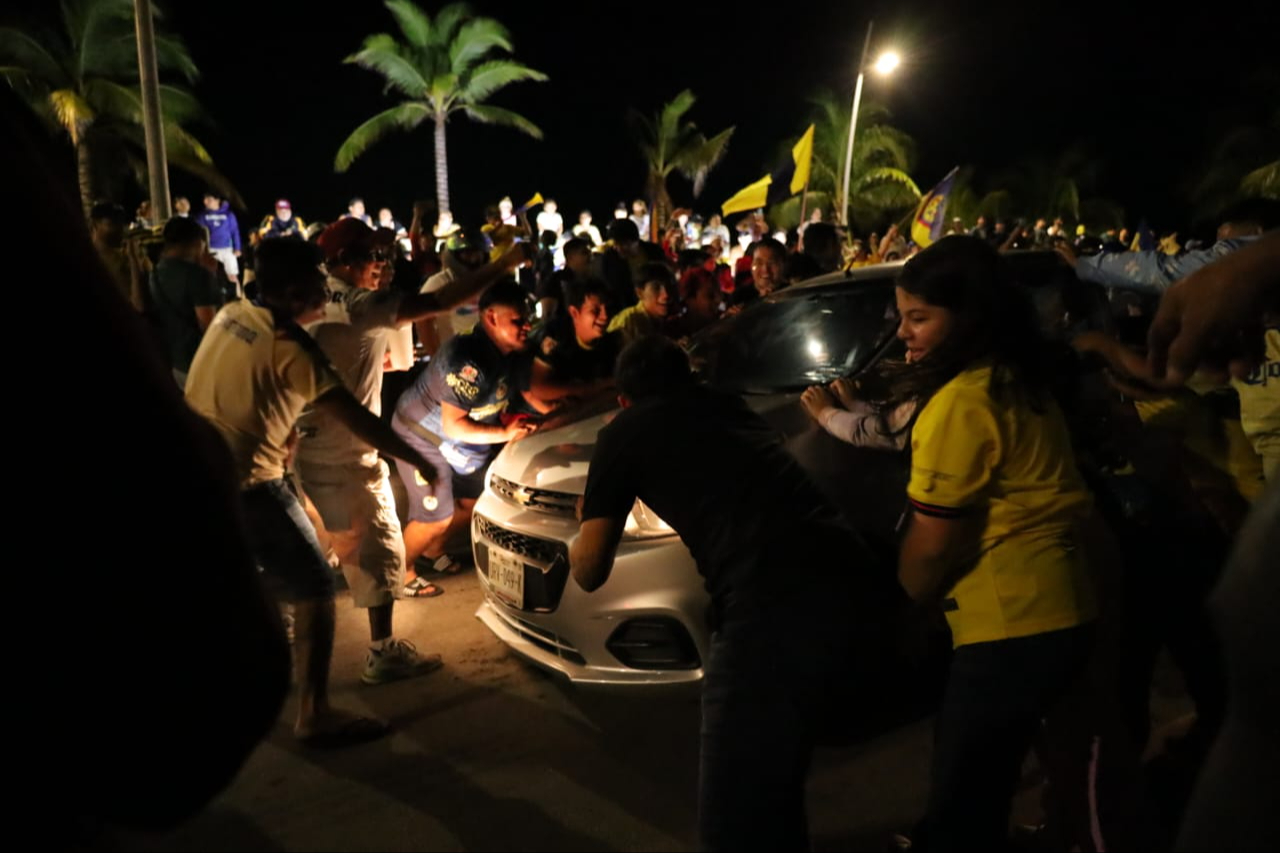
<point>643,523</point>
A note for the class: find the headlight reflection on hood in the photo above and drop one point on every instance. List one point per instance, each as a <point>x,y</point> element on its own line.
<point>643,523</point>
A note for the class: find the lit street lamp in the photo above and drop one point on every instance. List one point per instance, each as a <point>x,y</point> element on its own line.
<point>887,62</point>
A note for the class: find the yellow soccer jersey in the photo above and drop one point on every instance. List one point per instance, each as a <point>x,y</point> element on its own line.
<point>1260,405</point>
<point>1015,467</point>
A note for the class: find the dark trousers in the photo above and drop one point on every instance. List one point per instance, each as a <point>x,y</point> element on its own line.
<point>996,695</point>
<point>772,684</point>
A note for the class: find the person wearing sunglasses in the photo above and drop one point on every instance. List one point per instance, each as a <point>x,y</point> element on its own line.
<point>343,475</point>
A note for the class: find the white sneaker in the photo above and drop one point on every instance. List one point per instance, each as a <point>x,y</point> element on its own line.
<point>398,659</point>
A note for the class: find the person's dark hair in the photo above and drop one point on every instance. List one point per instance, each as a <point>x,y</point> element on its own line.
<point>183,231</point>
<point>575,246</point>
<point>108,210</point>
<point>798,266</point>
<point>548,239</point>
<point>283,268</point>
<point>779,250</point>
<point>689,258</point>
<point>652,366</point>
<point>492,212</point>
<point>655,272</point>
<point>582,213</point>
<point>994,318</point>
<point>577,290</point>
<point>505,293</point>
<point>623,231</point>
<point>820,238</point>
<point>355,199</point>
<point>695,279</point>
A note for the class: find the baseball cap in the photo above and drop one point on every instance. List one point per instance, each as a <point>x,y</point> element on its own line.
<point>284,202</point>
<point>346,235</point>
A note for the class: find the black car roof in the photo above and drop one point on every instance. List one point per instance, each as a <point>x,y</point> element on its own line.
<point>1030,264</point>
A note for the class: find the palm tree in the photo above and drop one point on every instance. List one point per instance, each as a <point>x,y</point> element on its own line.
<point>883,156</point>
<point>669,143</point>
<point>84,81</point>
<point>1242,164</point>
<point>442,67</point>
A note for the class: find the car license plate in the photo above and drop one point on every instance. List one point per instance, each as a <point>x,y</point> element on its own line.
<point>506,577</point>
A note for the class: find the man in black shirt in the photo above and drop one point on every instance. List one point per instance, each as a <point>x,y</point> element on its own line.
<point>580,350</point>
<point>793,590</point>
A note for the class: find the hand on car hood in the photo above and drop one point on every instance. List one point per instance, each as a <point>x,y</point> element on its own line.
<point>555,459</point>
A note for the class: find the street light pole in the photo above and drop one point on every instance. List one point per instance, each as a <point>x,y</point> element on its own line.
<point>149,79</point>
<point>853,126</point>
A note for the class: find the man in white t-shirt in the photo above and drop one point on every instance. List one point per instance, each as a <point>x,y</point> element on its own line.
<point>254,372</point>
<point>550,220</point>
<point>464,255</point>
<point>341,472</point>
<point>586,230</point>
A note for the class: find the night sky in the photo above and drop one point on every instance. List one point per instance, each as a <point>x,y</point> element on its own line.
<point>1146,86</point>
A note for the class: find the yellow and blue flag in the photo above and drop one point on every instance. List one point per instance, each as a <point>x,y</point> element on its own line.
<point>791,176</point>
<point>930,219</point>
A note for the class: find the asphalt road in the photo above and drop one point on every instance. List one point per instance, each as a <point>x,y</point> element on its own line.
<point>490,753</point>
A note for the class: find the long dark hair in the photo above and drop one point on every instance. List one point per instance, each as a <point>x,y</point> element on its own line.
<point>994,319</point>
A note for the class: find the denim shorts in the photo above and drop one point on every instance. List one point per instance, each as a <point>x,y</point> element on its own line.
<point>284,543</point>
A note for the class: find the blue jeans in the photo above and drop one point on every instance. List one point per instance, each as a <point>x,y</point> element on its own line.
<point>996,695</point>
<point>284,543</point>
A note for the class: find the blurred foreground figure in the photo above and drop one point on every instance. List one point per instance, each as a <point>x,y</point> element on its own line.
<point>153,689</point>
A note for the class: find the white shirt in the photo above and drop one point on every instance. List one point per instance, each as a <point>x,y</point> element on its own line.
<point>550,222</point>
<point>590,231</point>
<point>354,333</point>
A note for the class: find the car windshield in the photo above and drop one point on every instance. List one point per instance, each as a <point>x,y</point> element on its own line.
<point>801,338</point>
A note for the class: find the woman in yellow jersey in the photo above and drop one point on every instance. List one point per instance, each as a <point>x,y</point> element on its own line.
<point>996,503</point>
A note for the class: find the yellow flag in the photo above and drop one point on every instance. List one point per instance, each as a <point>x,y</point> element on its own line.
<point>802,156</point>
<point>791,176</point>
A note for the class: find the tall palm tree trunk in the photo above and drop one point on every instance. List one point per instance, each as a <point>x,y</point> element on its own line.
<point>442,168</point>
<point>84,168</point>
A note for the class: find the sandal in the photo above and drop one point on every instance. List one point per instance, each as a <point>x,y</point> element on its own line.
<point>443,565</point>
<point>354,731</point>
<point>420,587</point>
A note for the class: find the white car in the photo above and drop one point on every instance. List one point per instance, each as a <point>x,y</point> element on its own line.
<point>648,623</point>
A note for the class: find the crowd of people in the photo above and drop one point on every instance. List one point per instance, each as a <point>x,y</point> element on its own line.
<point>1066,544</point>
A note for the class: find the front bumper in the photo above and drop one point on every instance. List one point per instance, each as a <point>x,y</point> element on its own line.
<point>646,625</point>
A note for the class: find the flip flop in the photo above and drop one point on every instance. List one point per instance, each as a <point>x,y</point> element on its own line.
<point>443,565</point>
<point>355,731</point>
<point>420,587</point>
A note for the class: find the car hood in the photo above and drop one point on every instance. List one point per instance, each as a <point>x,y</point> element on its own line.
<point>556,459</point>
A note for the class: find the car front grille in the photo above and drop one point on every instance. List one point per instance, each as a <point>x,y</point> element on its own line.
<point>539,500</point>
<point>546,562</point>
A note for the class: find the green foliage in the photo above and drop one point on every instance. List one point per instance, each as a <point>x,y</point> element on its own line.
<point>880,182</point>
<point>439,67</point>
<point>83,80</point>
<point>668,142</point>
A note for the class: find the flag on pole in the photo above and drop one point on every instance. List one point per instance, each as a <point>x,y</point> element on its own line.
<point>930,219</point>
<point>537,199</point>
<point>791,176</point>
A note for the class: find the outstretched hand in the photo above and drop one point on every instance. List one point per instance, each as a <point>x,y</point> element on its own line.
<point>816,400</point>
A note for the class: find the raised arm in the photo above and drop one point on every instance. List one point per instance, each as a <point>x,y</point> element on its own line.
<point>420,306</point>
